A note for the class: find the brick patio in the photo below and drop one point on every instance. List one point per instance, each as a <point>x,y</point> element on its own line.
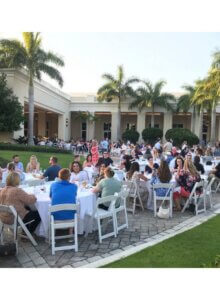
<point>141,226</point>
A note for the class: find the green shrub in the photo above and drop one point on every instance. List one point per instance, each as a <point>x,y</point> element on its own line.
<point>17,147</point>
<point>3,162</point>
<point>150,135</point>
<point>131,135</point>
<point>179,135</point>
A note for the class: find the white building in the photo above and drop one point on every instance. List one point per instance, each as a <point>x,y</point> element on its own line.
<point>56,113</point>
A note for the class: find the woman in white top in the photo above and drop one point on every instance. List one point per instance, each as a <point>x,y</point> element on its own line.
<point>77,174</point>
<point>33,165</point>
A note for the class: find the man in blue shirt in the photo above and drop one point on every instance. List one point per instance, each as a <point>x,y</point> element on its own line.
<point>63,192</point>
<point>53,170</point>
<point>19,168</point>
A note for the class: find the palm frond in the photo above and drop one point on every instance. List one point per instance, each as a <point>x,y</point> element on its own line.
<point>51,72</point>
<point>54,58</point>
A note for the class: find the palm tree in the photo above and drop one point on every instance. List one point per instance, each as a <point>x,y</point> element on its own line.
<point>30,55</point>
<point>150,95</point>
<point>185,102</point>
<point>116,88</point>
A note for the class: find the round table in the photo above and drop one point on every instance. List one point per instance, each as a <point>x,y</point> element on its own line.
<point>87,208</point>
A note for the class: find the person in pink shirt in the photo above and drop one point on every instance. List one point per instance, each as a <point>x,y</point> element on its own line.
<point>94,152</point>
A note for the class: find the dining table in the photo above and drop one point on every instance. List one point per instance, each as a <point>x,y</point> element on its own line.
<point>86,212</point>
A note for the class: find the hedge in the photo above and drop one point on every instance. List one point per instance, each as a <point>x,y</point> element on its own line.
<point>150,135</point>
<point>179,135</point>
<point>18,147</point>
<point>131,135</point>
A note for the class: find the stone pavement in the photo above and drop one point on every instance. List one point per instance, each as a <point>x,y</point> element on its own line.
<point>142,226</point>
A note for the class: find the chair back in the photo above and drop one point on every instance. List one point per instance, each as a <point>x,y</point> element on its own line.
<point>122,196</point>
<point>2,184</point>
<point>197,185</point>
<point>166,186</point>
<point>61,207</point>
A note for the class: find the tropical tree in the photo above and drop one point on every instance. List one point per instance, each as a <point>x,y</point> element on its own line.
<point>184,103</point>
<point>149,95</point>
<point>116,88</point>
<point>29,55</point>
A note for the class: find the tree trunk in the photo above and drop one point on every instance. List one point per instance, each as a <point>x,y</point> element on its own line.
<point>200,123</point>
<point>193,119</point>
<point>31,112</point>
<point>213,124</point>
<point>152,117</point>
<point>119,120</point>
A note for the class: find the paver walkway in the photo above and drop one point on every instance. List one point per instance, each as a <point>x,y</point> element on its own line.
<point>141,226</point>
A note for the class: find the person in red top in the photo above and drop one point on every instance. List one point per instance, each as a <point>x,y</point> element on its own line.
<point>94,152</point>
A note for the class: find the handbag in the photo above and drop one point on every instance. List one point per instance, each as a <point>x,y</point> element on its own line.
<point>164,213</point>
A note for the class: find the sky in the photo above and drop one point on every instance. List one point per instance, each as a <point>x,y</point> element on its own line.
<point>178,58</point>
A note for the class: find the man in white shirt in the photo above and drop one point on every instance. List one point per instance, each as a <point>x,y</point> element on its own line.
<point>168,146</point>
<point>158,144</point>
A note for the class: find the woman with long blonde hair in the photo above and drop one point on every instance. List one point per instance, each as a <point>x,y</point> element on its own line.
<point>33,165</point>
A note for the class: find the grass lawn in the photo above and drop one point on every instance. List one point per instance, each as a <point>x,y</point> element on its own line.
<point>190,249</point>
<point>63,159</point>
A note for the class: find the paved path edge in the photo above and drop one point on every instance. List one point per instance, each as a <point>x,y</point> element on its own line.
<point>182,227</point>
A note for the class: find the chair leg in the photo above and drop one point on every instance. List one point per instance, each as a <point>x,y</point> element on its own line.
<point>28,234</point>
<point>114,225</point>
<point>155,208</point>
<point>53,239</point>
<point>171,208</point>
<point>2,233</point>
<point>126,217</point>
<point>116,222</point>
<point>100,231</point>
<point>134,205</point>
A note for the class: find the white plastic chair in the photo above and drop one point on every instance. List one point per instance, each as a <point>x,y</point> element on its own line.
<point>122,207</point>
<point>63,224</point>
<point>133,192</point>
<point>20,224</point>
<point>101,214</point>
<point>197,198</point>
<point>208,191</point>
<point>168,197</point>
<point>14,226</point>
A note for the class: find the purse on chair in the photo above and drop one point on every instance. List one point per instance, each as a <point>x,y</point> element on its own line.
<point>10,249</point>
<point>164,213</point>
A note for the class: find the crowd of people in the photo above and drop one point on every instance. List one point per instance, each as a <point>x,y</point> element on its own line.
<point>163,162</point>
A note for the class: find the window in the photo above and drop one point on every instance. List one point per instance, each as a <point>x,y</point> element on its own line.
<point>107,130</point>
<point>177,125</point>
<point>155,125</point>
<point>83,130</point>
<point>47,129</point>
<point>25,128</point>
<point>131,126</point>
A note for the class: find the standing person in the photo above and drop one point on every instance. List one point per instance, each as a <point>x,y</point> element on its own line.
<point>104,145</point>
<point>12,195</point>
<point>168,146</point>
<point>52,171</point>
<point>33,165</point>
<point>94,152</point>
<point>158,144</point>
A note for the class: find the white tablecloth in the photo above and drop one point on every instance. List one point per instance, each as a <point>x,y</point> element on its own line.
<point>87,203</point>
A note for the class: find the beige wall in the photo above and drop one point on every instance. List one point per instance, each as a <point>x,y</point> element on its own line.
<point>182,119</point>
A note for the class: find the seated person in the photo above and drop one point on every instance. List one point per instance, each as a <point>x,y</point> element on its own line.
<point>105,159</point>
<point>162,175</point>
<point>198,165</point>
<point>126,162</point>
<point>52,171</point>
<point>186,179</point>
<point>215,172</point>
<point>108,186</point>
<point>88,161</point>
<point>10,169</point>
<point>151,165</point>
<point>12,195</point>
<point>19,168</point>
<point>101,174</point>
<point>77,174</point>
<point>179,162</point>
<point>63,192</point>
<point>33,165</point>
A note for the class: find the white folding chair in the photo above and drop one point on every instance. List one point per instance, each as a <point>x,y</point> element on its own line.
<point>197,198</point>
<point>63,224</point>
<point>168,197</point>
<point>9,209</point>
<point>101,214</point>
<point>134,193</point>
<point>208,191</point>
<point>122,207</point>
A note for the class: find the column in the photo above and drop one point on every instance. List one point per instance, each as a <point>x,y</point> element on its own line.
<point>64,126</point>
<point>167,122</point>
<point>218,130</point>
<point>41,123</point>
<point>140,124</point>
<point>197,124</point>
<point>114,123</point>
<point>90,129</point>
